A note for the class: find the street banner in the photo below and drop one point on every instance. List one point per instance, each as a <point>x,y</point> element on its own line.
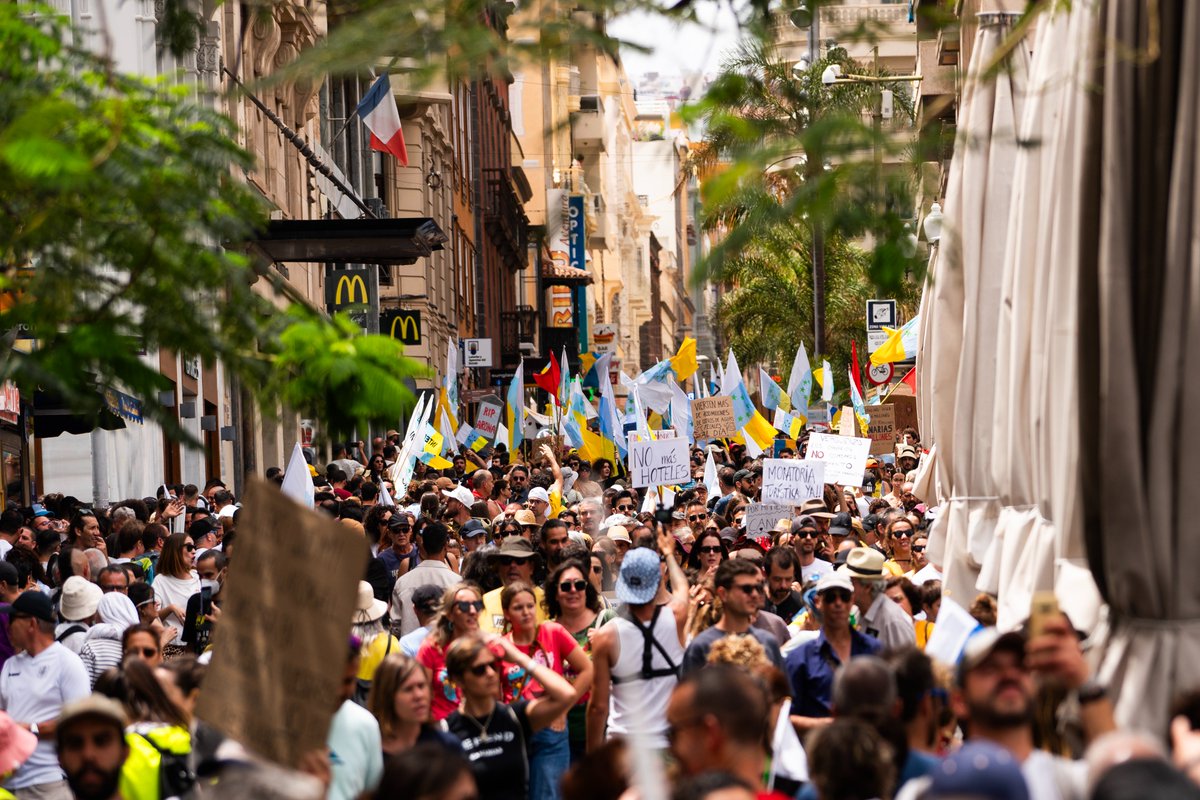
<point>280,650</point>
<point>790,481</point>
<point>763,517</point>
<point>845,457</point>
<point>660,462</point>
<point>882,430</point>
<point>712,418</point>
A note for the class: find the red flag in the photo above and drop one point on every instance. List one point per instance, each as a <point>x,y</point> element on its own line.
<point>911,380</point>
<point>855,370</point>
<point>549,377</point>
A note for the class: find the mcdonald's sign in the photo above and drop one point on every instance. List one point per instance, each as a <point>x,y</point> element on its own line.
<point>348,288</point>
<point>402,325</point>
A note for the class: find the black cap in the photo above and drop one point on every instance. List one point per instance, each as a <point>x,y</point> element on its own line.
<point>34,604</point>
<point>9,574</point>
<point>427,597</point>
<point>202,527</point>
<point>396,520</point>
<point>741,475</point>
<point>870,521</point>
<point>840,524</point>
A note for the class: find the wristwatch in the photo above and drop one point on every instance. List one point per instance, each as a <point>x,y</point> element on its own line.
<point>33,728</point>
<point>1090,692</point>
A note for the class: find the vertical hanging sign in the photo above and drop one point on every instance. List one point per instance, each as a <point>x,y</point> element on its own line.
<point>576,235</point>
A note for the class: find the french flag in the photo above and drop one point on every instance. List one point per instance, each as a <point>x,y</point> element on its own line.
<point>378,111</point>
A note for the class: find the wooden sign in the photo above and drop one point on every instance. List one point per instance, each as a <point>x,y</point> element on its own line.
<point>882,428</point>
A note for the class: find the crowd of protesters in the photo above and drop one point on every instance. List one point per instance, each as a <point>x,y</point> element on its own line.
<point>531,626</point>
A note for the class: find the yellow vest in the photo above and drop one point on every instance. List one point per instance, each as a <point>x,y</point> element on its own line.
<point>141,775</point>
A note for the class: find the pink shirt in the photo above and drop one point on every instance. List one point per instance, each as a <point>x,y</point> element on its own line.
<point>551,645</point>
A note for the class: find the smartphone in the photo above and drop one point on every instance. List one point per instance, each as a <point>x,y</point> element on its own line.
<point>1042,608</point>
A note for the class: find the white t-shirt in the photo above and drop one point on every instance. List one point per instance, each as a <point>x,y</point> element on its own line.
<point>355,752</point>
<point>817,569</point>
<point>34,689</point>
<point>5,546</point>
<point>170,591</point>
<point>1050,777</point>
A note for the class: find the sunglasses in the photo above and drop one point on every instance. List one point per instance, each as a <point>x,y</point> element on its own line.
<point>903,533</point>
<point>838,595</point>
<point>710,549</point>
<point>467,606</point>
<point>750,588</point>
<point>121,589</point>
<point>918,548</point>
<point>624,508</point>
<point>573,586</point>
<point>144,652</point>
<point>402,528</point>
<point>479,670</point>
<point>517,562</point>
<point>597,569</point>
<point>191,548</point>
<point>697,517</point>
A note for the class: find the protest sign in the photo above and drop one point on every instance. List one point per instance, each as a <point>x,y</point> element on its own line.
<point>280,651</point>
<point>845,457</point>
<point>789,481</point>
<point>905,410</point>
<point>660,462</point>
<point>488,416</point>
<point>763,517</point>
<point>713,418</point>
<point>882,429</point>
<point>847,422</point>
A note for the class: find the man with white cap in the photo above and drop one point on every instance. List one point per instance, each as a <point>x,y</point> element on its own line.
<point>77,606</point>
<point>811,666</point>
<point>637,656</point>
<point>458,505</point>
<point>538,502</point>
<point>883,618</point>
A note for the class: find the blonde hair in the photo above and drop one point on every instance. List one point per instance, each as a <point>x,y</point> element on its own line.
<point>442,627</point>
<point>740,651</point>
<point>393,671</point>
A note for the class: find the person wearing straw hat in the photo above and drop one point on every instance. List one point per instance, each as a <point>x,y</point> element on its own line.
<point>376,640</point>
<point>882,618</point>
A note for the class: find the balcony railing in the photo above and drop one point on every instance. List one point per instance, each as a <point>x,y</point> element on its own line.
<point>516,327</point>
<point>504,217</point>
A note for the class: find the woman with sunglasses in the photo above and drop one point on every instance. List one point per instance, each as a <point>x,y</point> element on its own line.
<point>599,575</point>
<point>375,470</point>
<point>574,602</point>
<point>551,644</point>
<point>707,553</point>
<point>496,736</point>
<point>900,532</point>
<point>459,616</point>
<point>176,581</point>
<point>400,700</point>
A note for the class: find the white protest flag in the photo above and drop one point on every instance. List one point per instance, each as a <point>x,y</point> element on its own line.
<point>681,411</point>
<point>414,443</point>
<point>827,382</point>
<point>788,757</point>
<point>710,476</point>
<point>297,480</point>
<point>800,381</point>
<point>651,501</point>
<point>451,379</point>
<point>502,434</point>
<point>397,469</point>
<point>731,376</point>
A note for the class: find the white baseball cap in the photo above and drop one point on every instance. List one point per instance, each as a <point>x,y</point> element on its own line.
<point>460,493</point>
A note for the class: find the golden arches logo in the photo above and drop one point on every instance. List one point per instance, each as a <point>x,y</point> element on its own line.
<point>354,285</point>
<point>409,326</point>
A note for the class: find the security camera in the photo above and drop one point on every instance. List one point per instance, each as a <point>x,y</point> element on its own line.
<point>831,74</point>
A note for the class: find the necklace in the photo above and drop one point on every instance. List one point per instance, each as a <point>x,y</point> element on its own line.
<point>483,728</point>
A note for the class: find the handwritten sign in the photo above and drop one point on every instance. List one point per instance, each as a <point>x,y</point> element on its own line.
<point>488,417</point>
<point>763,517</point>
<point>659,462</point>
<point>280,651</point>
<point>713,418</point>
<point>789,481</point>
<point>845,457</point>
<point>882,429</point>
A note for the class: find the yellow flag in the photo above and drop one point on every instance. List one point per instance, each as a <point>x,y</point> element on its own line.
<point>760,430</point>
<point>655,421</point>
<point>819,375</point>
<point>684,363</point>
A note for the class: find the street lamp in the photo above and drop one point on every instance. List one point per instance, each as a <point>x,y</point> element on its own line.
<point>801,16</point>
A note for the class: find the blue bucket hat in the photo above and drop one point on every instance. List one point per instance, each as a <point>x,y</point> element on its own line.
<point>638,582</point>
<point>979,770</point>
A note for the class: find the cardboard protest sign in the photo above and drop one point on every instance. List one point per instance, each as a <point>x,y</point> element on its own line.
<point>847,422</point>
<point>280,649</point>
<point>488,416</point>
<point>905,410</point>
<point>659,462</point>
<point>790,481</point>
<point>845,457</point>
<point>763,517</point>
<point>882,429</point>
<point>713,418</point>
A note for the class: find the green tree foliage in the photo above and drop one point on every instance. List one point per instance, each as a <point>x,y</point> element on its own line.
<point>121,223</point>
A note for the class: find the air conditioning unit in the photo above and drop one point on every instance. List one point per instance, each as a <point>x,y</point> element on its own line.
<point>527,349</point>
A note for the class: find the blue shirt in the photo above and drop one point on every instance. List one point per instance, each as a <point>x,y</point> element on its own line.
<point>810,669</point>
<point>392,562</point>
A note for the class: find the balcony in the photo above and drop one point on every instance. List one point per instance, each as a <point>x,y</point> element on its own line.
<point>504,217</point>
<point>587,125</point>
<point>516,328</point>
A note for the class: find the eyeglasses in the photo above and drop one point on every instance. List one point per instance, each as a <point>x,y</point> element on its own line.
<point>573,586</point>
<point>516,562</point>
<point>144,652</point>
<point>191,548</point>
<point>807,533</point>
<point>836,595</point>
<point>750,588</point>
<point>467,606</point>
<point>709,549</point>
<point>479,670</point>
<point>902,533</point>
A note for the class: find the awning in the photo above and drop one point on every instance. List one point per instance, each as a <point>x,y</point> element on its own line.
<point>562,274</point>
<point>350,241</point>
<point>52,418</point>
